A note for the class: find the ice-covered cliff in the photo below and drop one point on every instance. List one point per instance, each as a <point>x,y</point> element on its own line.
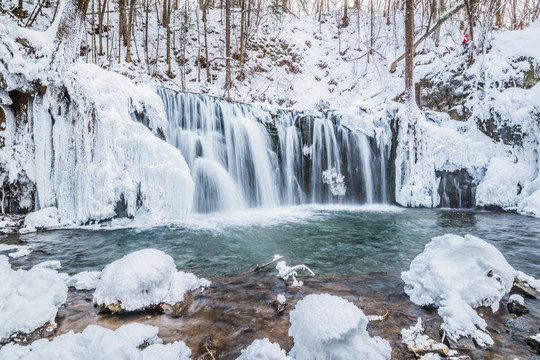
<point>71,142</point>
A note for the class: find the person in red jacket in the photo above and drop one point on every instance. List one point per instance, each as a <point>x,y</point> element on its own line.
<point>466,41</point>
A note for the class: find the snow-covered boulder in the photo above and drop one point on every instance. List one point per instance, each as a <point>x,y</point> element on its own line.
<point>458,274</point>
<point>44,218</point>
<point>263,350</point>
<point>28,299</point>
<point>96,342</point>
<point>329,327</point>
<point>143,279</point>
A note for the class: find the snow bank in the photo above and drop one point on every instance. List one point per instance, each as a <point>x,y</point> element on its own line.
<point>96,342</point>
<point>263,350</point>
<point>28,299</point>
<point>329,327</point>
<point>143,279</point>
<point>458,274</point>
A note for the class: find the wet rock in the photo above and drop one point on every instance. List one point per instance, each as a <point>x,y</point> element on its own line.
<point>280,307</point>
<point>463,343</point>
<point>432,347</point>
<point>523,289</point>
<point>520,325</point>
<point>112,308</point>
<point>179,308</point>
<point>209,349</point>
<point>517,309</point>
<point>534,342</point>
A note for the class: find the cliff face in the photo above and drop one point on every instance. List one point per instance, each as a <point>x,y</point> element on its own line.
<point>479,129</point>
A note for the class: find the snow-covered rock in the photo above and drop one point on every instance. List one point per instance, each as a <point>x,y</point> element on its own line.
<point>96,342</point>
<point>28,299</point>
<point>263,350</point>
<point>142,279</point>
<point>85,280</point>
<point>458,274</point>
<point>45,218</point>
<point>329,327</point>
<point>419,343</point>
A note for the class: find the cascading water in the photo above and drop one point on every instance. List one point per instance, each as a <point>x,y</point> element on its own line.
<point>246,156</point>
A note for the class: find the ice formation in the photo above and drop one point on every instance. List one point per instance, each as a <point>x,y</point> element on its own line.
<point>96,342</point>
<point>28,299</point>
<point>80,145</point>
<point>284,271</point>
<point>457,275</point>
<point>143,279</point>
<point>263,350</point>
<point>329,327</point>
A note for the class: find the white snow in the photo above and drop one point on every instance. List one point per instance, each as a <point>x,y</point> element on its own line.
<point>143,279</point>
<point>329,327</point>
<point>49,264</point>
<point>263,350</point>
<point>531,281</point>
<point>281,299</point>
<point>96,342</point>
<point>85,280</point>
<point>458,274</point>
<point>284,271</point>
<point>28,299</point>
<point>45,218</point>
<point>517,299</point>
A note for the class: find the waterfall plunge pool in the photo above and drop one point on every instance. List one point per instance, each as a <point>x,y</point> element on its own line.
<point>331,240</point>
<point>357,252</point>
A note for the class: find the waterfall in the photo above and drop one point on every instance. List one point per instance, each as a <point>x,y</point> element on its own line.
<point>249,156</point>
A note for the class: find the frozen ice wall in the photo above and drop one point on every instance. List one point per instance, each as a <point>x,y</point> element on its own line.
<point>73,143</point>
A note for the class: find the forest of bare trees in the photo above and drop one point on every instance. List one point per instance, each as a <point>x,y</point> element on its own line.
<point>138,31</point>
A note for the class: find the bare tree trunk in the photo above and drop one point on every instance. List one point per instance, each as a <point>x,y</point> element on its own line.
<point>204,19</point>
<point>122,20</point>
<point>228,47</point>
<point>409,53</point>
<point>345,19</point>
<point>243,30</point>
<point>435,26</point>
<point>168,45</point>
<point>130,30</point>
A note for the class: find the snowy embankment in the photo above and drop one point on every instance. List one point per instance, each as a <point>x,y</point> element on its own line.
<point>497,145</point>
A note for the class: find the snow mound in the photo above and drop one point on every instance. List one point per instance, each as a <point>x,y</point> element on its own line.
<point>44,218</point>
<point>458,274</point>
<point>86,280</point>
<point>28,299</point>
<point>96,342</point>
<point>143,279</point>
<point>329,327</point>
<point>263,350</point>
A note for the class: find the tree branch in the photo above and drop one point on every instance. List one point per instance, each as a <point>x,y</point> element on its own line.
<point>436,25</point>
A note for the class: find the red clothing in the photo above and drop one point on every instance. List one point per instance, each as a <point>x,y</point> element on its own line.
<point>466,38</point>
